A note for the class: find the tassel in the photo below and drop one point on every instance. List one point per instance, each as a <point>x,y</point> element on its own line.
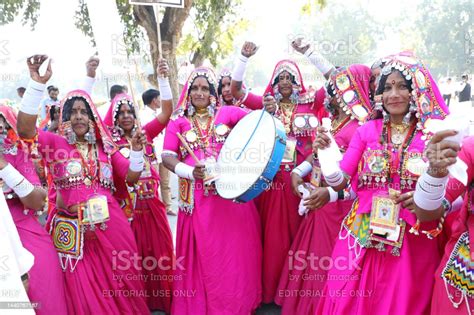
<point>415,228</point>
<point>396,251</point>
<point>369,243</point>
<point>103,226</point>
<point>380,247</point>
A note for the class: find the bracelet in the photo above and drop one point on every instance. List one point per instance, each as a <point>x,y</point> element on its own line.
<point>239,68</point>
<point>184,170</point>
<point>137,162</point>
<point>335,179</point>
<point>20,185</point>
<point>319,61</point>
<point>32,98</point>
<point>430,191</point>
<point>165,89</point>
<point>303,169</point>
<point>333,195</point>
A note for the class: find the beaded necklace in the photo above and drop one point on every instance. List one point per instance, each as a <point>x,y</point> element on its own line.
<point>88,155</point>
<point>205,132</point>
<point>391,153</point>
<point>337,127</point>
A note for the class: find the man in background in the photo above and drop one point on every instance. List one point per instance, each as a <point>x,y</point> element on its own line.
<point>152,102</point>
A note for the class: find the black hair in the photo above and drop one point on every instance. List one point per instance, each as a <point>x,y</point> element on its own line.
<point>149,95</point>
<point>219,85</point>
<point>117,113</point>
<point>383,80</point>
<point>52,110</point>
<point>212,88</point>
<point>116,89</point>
<point>22,89</point>
<point>277,79</point>
<point>67,109</point>
<point>464,76</point>
<point>52,88</point>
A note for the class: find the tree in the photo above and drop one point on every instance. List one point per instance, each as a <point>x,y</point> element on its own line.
<point>215,26</point>
<point>209,16</point>
<point>446,40</point>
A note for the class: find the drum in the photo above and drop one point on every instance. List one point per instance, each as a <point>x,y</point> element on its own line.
<point>250,157</point>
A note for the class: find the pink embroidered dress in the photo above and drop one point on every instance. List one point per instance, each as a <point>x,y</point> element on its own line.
<point>218,241</point>
<point>98,259</point>
<point>150,224</point>
<point>46,280</point>
<point>454,278</point>
<point>278,206</point>
<point>392,275</point>
<point>319,229</point>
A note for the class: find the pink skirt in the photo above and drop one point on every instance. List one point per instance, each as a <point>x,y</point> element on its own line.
<point>278,208</point>
<point>304,274</point>
<point>219,258</point>
<point>108,279</point>
<point>155,244</point>
<point>46,279</point>
<point>376,282</point>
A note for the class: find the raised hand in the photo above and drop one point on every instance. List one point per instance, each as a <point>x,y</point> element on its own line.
<point>299,46</point>
<point>249,49</point>
<point>163,68</point>
<point>34,63</point>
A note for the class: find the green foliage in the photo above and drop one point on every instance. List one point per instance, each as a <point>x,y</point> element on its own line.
<point>83,22</point>
<point>215,26</point>
<point>132,34</point>
<point>446,36</point>
<point>9,9</point>
<point>312,5</point>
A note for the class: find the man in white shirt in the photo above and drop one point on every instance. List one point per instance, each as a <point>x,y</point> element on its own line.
<point>448,90</point>
<point>152,102</point>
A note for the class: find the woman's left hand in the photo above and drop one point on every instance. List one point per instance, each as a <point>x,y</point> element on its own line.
<point>138,140</point>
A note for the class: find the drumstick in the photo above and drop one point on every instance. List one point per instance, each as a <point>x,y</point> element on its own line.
<point>186,146</point>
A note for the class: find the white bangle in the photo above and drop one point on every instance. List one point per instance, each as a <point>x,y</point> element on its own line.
<point>184,170</point>
<point>165,89</point>
<point>335,179</point>
<point>239,68</point>
<point>32,98</point>
<point>88,84</point>
<point>137,162</point>
<point>429,192</point>
<point>319,61</point>
<point>20,185</point>
<point>303,169</point>
<point>333,195</point>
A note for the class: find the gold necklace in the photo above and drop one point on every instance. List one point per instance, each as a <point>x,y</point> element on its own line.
<point>398,136</point>
<point>83,148</point>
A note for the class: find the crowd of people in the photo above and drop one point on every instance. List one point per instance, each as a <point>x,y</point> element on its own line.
<point>362,216</point>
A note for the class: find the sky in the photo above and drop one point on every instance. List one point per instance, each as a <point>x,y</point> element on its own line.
<point>56,36</point>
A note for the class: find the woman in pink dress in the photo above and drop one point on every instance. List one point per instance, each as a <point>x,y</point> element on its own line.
<point>46,281</point>
<point>94,241</point>
<point>454,278</point>
<point>149,222</point>
<point>318,231</point>
<point>386,257</point>
<point>218,241</point>
<point>285,97</point>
